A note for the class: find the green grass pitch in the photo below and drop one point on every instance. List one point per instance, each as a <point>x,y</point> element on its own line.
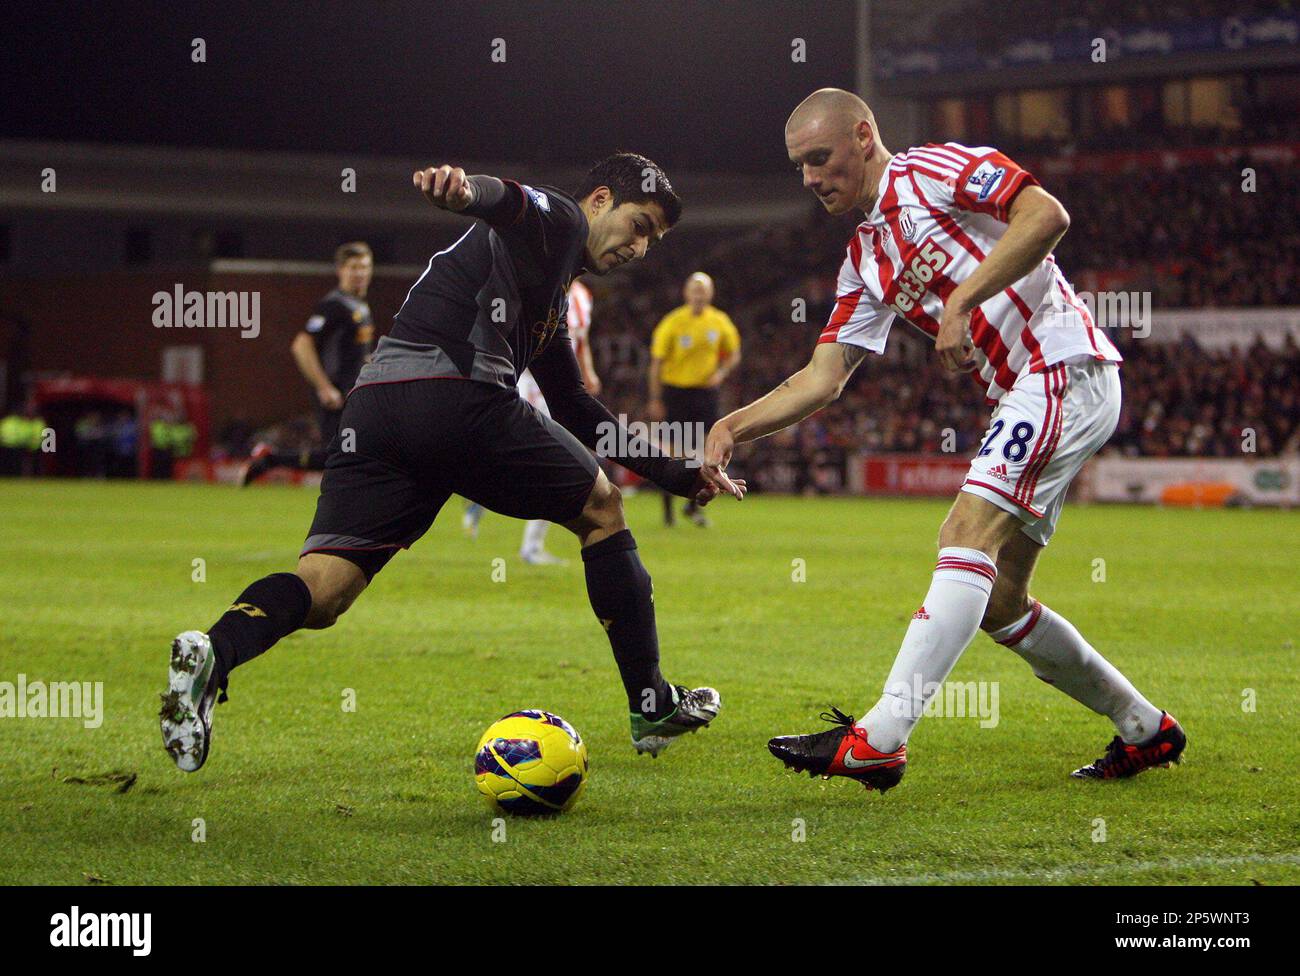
<point>1199,608</point>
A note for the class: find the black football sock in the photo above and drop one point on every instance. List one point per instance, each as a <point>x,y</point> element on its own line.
<point>622,596</point>
<point>669,518</point>
<point>273,607</point>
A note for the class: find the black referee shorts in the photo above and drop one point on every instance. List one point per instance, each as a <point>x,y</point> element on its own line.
<point>694,405</point>
<point>417,443</point>
<point>690,405</point>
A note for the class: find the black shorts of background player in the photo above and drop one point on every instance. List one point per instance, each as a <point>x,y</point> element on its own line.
<point>334,343</point>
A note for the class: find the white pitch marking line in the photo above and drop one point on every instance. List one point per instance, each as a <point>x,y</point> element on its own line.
<point>1068,873</point>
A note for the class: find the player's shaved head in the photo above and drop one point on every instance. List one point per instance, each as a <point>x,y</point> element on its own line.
<point>832,138</point>
<point>833,109</point>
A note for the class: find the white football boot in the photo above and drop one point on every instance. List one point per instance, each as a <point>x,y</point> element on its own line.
<point>186,713</point>
<point>694,709</point>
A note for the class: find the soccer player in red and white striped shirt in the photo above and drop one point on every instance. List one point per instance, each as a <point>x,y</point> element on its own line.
<point>533,548</point>
<point>957,243</point>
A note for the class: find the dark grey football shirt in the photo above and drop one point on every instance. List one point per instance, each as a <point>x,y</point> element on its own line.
<point>343,331</point>
<point>495,303</point>
<point>490,303</point>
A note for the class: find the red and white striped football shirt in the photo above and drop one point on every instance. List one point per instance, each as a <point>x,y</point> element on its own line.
<point>579,317</point>
<point>939,211</point>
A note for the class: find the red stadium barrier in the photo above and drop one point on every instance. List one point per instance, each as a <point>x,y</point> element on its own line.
<point>149,401</point>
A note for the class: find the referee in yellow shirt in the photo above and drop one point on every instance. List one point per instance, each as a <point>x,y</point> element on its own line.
<point>693,350</point>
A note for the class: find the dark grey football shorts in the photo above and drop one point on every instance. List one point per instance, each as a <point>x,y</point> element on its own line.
<point>418,442</point>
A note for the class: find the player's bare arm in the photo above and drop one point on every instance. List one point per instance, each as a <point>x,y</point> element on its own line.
<point>573,407</point>
<point>1037,222</point>
<point>590,378</point>
<point>655,408</point>
<point>309,364</point>
<point>725,369</point>
<point>803,394</point>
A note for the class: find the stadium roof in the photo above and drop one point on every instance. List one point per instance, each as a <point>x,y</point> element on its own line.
<point>705,86</point>
<point>154,181</point>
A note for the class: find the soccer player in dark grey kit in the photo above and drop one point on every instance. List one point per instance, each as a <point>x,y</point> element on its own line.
<point>436,412</point>
<point>330,351</point>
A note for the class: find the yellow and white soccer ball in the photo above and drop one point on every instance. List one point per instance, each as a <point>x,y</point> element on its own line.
<point>530,762</point>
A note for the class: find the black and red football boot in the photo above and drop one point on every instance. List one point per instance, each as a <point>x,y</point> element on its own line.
<point>1122,760</point>
<point>259,462</point>
<point>841,751</point>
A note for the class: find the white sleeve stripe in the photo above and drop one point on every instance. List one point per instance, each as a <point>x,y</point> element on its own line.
<point>934,163</point>
<point>931,177</point>
<point>948,159</point>
<point>959,155</point>
<point>857,321</point>
<point>922,167</point>
<point>968,153</point>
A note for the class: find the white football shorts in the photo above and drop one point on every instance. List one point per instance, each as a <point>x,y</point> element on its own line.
<point>1041,433</point>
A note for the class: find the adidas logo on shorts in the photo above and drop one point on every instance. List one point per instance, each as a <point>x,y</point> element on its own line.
<point>999,471</point>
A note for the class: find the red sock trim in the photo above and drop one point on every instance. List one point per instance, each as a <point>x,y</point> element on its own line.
<point>1035,612</point>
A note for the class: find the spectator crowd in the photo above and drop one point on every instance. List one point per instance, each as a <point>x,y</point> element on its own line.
<point>1045,18</point>
<point>1190,236</point>
<point>1195,236</point>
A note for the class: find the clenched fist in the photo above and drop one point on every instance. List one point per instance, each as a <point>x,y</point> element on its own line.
<point>446,187</point>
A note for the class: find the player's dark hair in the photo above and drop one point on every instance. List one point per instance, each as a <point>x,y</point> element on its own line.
<point>352,249</point>
<point>628,175</point>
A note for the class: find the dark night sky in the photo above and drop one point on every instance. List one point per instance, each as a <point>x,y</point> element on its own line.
<point>696,85</point>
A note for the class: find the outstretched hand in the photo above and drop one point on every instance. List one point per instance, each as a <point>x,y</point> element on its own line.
<point>713,471</point>
<point>706,490</point>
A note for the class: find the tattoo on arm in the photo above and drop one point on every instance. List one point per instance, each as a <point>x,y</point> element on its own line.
<point>852,355</point>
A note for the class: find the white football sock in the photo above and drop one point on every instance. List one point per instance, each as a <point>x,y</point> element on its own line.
<point>1060,656</point>
<point>534,536</point>
<point>940,630</point>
